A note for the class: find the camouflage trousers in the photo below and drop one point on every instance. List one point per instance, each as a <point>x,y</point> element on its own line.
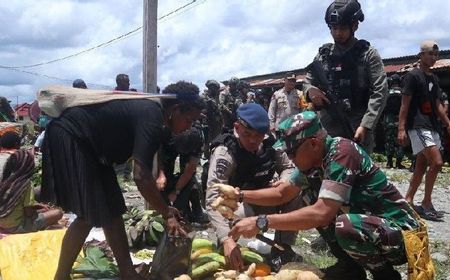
<point>390,138</point>
<point>369,240</point>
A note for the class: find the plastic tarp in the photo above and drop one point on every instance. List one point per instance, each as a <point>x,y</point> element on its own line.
<point>30,256</point>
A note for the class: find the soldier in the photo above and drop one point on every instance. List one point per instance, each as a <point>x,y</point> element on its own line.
<point>246,159</point>
<point>355,73</point>
<point>285,102</point>
<point>228,103</point>
<point>214,124</point>
<point>213,115</point>
<point>390,122</point>
<point>358,212</point>
<point>244,92</point>
<point>419,114</point>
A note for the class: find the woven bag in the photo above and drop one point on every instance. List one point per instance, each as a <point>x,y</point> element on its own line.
<point>420,264</point>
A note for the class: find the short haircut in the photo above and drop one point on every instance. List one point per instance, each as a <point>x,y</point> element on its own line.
<point>10,140</point>
<point>187,96</point>
<point>121,77</point>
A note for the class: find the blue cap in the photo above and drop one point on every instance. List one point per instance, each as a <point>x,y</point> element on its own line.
<point>254,116</point>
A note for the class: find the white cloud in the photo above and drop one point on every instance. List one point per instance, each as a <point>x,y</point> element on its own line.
<point>213,39</point>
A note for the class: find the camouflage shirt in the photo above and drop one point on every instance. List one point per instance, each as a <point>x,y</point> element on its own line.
<point>351,177</point>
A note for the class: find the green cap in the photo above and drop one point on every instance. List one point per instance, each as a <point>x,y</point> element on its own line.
<point>296,128</point>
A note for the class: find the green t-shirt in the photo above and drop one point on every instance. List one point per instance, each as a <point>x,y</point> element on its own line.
<point>15,218</point>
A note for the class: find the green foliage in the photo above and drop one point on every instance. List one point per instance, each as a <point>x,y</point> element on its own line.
<point>96,265</point>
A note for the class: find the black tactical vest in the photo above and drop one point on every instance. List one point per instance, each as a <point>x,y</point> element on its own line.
<point>347,74</point>
<point>252,171</point>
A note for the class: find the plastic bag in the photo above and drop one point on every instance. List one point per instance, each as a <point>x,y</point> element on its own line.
<point>172,257</point>
<point>420,264</point>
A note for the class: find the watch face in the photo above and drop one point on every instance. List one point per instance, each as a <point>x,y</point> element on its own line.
<point>261,222</point>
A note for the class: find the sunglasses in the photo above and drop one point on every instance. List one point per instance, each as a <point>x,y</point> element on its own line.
<point>290,151</point>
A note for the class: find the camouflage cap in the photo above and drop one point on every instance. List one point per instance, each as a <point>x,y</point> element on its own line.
<point>297,127</point>
<point>210,83</point>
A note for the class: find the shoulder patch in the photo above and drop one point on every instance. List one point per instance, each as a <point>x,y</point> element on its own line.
<point>222,165</point>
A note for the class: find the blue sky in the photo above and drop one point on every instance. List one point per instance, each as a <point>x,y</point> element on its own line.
<point>212,39</point>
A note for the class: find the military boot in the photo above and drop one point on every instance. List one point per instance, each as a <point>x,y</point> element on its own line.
<point>345,269</point>
<point>386,272</point>
<point>390,163</point>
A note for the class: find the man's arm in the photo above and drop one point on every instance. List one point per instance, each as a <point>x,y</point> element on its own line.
<point>402,138</point>
<point>188,172</point>
<point>281,193</point>
<point>379,88</point>
<point>147,187</point>
<point>320,214</point>
<point>442,114</point>
<point>220,169</point>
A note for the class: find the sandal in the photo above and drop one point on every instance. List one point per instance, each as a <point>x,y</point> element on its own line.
<point>427,214</point>
<point>440,214</point>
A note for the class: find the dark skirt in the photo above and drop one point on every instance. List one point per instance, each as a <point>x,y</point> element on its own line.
<point>74,178</point>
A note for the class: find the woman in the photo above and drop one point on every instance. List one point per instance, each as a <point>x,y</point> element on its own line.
<point>79,151</point>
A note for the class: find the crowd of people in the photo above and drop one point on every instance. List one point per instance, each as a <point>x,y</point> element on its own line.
<point>298,159</point>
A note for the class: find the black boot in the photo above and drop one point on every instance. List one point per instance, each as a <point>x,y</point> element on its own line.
<point>399,164</point>
<point>345,269</point>
<point>386,272</point>
<point>389,163</point>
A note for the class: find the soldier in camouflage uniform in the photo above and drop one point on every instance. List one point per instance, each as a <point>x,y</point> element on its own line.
<point>357,211</point>
<point>229,101</point>
<point>390,122</point>
<point>213,123</point>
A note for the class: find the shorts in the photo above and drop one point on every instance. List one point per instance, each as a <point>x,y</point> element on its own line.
<point>422,138</point>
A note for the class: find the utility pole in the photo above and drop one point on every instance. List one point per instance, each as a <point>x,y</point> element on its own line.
<point>150,42</point>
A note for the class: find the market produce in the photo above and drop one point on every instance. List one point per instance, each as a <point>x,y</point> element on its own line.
<point>183,277</point>
<point>96,265</point>
<point>231,203</point>
<point>225,211</point>
<point>251,257</point>
<point>261,269</point>
<point>143,227</point>
<point>144,254</point>
<point>199,243</point>
<point>205,270</point>
<point>199,252</point>
<point>226,191</point>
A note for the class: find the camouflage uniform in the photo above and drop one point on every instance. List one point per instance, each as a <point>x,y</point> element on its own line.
<point>390,123</point>
<point>229,101</point>
<point>214,119</point>
<point>373,214</point>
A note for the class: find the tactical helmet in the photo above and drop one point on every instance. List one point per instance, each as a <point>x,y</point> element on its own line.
<point>210,83</point>
<point>395,78</point>
<point>243,84</point>
<point>233,81</point>
<point>344,12</point>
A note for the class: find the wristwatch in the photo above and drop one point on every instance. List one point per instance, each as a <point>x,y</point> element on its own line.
<point>262,223</point>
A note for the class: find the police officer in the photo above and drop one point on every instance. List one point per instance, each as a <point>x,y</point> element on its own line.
<point>390,123</point>
<point>285,102</point>
<point>229,104</point>
<point>246,159</point>
<point>358,212</point>
<point>356,74</point>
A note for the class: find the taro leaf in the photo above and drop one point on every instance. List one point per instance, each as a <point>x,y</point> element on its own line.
<point>96,265</point>
<point>157,226</point>
<point>153,235</point>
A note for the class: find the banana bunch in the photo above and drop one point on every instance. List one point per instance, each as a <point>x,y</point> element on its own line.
<point>226,203</point>
<point>143,227</point>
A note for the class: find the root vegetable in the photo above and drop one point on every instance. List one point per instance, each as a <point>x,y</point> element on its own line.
<point>227,191</point>
<point>225,211</point>
<point>251,269</point>
<point>307,275</point>
<point>183,277</point>
<point>230,203</point>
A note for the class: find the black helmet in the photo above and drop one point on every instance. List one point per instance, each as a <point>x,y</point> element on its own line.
<point>210,83</point>
<point>243,84</point>
<point>344,12</point>
<point>233,81</point>
<point>395,78</point>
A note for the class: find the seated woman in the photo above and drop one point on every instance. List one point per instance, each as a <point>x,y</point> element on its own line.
<point>19,212</point>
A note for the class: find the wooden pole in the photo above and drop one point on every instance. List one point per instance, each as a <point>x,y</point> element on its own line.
<point>150,42</point>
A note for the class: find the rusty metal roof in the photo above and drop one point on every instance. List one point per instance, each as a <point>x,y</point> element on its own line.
<point>391,65</point>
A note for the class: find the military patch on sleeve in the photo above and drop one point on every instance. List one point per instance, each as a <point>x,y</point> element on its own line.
<point>221,167</point>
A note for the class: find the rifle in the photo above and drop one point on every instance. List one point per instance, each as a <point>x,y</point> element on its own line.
<point>335,108</point>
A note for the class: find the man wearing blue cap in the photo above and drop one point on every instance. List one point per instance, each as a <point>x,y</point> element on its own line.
<point>247,160</point>
<point>356,209</point>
